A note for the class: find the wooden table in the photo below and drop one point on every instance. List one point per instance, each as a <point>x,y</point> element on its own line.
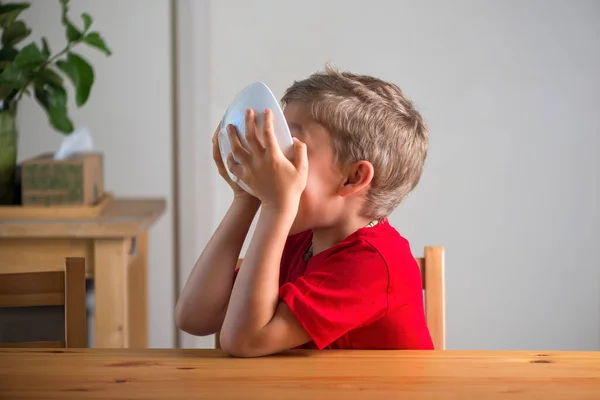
<point>209,374</point>
<point>115,247</point>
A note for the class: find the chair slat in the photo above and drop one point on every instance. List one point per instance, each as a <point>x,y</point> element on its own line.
<point>32,299</point>
<point>435,295</point>
<point>75,312</point>
<point>50,288</point>
<point>32,283</point>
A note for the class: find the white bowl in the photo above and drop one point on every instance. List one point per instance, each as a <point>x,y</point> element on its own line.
<point>258,97</point>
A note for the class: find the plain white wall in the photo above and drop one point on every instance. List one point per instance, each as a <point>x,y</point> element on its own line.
<point>129,114</point>
<point>511,187</point>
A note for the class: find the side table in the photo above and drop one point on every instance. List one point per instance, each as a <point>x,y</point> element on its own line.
<point>115,246</point>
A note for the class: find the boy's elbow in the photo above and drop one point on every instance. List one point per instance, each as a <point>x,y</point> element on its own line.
<point>183,320</point>
<point>236,349</point>
<point>238,346</point>
<point>187,320</point>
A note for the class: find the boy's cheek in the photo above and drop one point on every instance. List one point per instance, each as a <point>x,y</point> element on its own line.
<point>307,213</point>
<point>316,207</point>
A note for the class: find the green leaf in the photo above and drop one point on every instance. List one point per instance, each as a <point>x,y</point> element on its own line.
<point>13,77</point>
<point>14,33</point>
<point>17,74</point>
<point>87,21</point>
<point>5,91</point>
<point>94,39</point>
<point>81,74</point>
<point>41,95</point>
<point>8,53</point>
<point>29,57</point>
<point>49,77</point>
<point>54,101</point>
<point>10,12</point>
<point>45,47</point>
<point>58,116</point>
<point>73,34</point>
<point>64,5</point>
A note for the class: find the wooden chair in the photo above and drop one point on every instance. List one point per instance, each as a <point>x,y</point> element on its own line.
<point>432,273</point>
<point>434,286</point>
<point>50,288</point>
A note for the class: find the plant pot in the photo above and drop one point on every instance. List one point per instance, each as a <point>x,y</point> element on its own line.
<point>8,154</point>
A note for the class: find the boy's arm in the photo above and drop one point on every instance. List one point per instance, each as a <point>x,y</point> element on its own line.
<point>202,304</point>
<point>256,322</point>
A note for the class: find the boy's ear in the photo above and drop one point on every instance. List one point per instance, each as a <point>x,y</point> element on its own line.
<point>358,178</point>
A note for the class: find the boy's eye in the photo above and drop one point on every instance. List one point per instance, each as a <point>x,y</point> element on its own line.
<point>295,128</point>
<point>298,134</point>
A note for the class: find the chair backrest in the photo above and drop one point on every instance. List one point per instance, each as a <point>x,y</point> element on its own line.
<point>432,273</point>
<point>50,288</point>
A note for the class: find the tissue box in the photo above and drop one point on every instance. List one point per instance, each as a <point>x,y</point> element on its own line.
<point>78,180</point>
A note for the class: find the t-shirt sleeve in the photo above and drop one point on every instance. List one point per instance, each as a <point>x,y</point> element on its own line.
<point>344,291</point>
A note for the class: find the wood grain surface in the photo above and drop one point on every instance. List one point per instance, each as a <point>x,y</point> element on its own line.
<point>209,374</point>
<point>122,217</point>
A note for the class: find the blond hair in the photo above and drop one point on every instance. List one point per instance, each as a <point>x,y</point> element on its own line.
<point>369,119</point>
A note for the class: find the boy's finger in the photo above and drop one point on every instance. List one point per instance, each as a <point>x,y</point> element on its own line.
<point>251,138</point>
<point>237,148</point>
<point>216,152</point>
<point>270,140</point>
<point>217,130</point>
<point>235,168</point>
<point>218,159</point>
<point>300,155</point>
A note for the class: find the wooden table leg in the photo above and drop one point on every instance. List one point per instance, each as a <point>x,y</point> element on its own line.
<point>111,290</point>
<point>138,295</point>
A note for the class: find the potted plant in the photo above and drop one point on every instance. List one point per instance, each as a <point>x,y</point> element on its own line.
<point>34,70</point>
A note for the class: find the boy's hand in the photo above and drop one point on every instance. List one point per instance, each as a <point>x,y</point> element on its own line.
<point>238,192</point>
<point>275,180</point>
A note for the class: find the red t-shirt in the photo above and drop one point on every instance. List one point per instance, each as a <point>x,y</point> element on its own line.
<point>363,293</point>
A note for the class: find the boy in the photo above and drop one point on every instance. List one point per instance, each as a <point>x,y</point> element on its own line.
<point>324,268</point>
